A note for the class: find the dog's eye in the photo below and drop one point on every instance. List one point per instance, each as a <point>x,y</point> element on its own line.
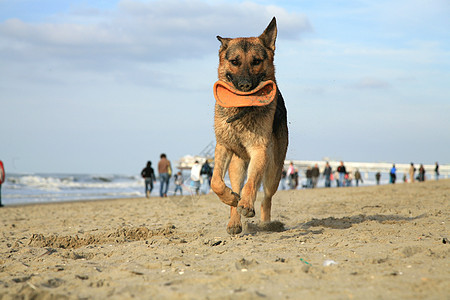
<point>234,62</point>
<point>256,61</point>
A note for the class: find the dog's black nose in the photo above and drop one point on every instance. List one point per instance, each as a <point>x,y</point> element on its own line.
<point>245,85</point>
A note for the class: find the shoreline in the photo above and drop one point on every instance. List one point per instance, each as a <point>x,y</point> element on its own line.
<point>368,242</point>
<point>186,189</point>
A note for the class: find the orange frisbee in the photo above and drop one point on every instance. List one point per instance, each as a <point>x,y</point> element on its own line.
<point>228,96</point>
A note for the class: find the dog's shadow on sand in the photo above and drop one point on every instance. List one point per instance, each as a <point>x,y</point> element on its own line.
<point>251,228</point>
<point>347,222</point>
<point>329,222</point>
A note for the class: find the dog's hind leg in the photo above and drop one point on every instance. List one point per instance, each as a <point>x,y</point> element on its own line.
<point>273,175</point>
<point>221,162</point>
<point>270,183</point>
<point>237,171</point>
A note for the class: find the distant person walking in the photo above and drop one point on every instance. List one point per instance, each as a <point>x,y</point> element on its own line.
<point>342,171</point>
<point>178,183</point>
<point>206,173</point>
<point>412,170</point>
<point>149,176</point>
<point>421,173</point>
<point>165,171</point>
<point>436,171</point>
<point>2,179</point>
<point>195,177</point>
<point>392,174</point>
<point>378,177</point>
<point>295,176</point>
<point>327,174</point>
<point>315,173</point>
<point>358,177</point>
<point>290,175</point>
<point>308,174</point>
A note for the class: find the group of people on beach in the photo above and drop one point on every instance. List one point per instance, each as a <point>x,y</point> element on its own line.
<point>412,171</point>
<point>164,171</point>
<point>290,178</point>
<point>200,177</point>
<point>421,173</point>
<point>343,177</point>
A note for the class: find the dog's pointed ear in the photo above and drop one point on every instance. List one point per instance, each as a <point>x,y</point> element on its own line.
<point>269,35</point>
<point>223,42</point>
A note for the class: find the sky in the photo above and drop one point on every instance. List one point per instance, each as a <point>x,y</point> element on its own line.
<point>103,86</point>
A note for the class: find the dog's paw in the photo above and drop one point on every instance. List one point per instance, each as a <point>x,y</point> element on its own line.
<point>248,212</point>
<point>234,229</point>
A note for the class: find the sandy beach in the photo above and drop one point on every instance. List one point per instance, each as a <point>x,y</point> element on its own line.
<point>377,242</point>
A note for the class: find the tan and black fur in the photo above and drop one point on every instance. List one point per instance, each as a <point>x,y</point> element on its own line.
<point>251,142</point>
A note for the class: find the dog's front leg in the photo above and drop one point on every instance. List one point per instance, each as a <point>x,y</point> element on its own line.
<point>221,162</point>
<point>256,169</point>
<point>237,171</point>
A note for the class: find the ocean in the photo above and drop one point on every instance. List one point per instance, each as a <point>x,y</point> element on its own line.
<point>46,188</point>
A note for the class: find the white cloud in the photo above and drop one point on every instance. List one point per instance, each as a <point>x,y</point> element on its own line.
<point>155,31</point>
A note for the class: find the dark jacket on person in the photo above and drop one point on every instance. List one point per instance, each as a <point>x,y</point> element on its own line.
<point>206,170</point>
<point>148,172</point>
<point>315,172</point>
<point>327,172</point>
<point>341,169</point>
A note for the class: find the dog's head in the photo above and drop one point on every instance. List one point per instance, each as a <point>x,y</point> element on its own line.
<point>245,62</point>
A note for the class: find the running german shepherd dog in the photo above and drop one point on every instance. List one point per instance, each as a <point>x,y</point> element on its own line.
<point>251,141</point>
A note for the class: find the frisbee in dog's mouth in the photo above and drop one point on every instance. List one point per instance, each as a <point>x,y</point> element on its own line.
<point>228,96</point>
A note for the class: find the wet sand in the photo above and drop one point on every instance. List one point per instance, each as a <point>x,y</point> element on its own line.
<point>379,242</point>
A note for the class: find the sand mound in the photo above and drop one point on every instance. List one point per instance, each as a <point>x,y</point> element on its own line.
<point>121,235</point>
